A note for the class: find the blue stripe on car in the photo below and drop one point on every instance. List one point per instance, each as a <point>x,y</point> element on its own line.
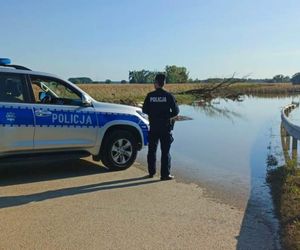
<point>16,116</point>
<point>23,116</point>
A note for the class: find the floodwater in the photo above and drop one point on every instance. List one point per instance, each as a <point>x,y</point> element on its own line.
<point>226,144</point>
<point>225,149</point>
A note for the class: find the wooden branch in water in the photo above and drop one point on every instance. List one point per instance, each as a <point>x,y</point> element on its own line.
<point>209,90</point>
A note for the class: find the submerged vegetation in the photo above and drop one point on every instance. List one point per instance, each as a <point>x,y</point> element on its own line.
<point>285,187</point>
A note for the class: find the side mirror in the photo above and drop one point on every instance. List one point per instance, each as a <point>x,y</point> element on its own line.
<point>86,101</point>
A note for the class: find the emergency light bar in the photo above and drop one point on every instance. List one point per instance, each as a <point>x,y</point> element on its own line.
<point>5,61</point>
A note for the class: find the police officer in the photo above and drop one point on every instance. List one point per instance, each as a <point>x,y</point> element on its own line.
<point>161,107</point>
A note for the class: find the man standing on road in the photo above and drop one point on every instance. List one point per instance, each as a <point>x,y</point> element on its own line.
<point>161,107</point>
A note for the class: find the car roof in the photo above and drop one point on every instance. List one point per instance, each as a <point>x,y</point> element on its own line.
<point>27,72</point>
<point>30,72</point>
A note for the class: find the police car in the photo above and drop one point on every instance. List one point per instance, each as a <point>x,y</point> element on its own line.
<point>42,114</point>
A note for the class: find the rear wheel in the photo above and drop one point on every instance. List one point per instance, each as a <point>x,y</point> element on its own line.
<point>119,150</point>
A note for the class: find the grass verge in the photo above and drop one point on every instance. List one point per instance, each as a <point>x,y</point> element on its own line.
<point>285,187</point>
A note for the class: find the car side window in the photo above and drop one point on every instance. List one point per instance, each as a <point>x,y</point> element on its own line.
<point>13,88</point>
<point>53,91</point>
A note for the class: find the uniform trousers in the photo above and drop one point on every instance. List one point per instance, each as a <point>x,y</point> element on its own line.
<point>164,136</point>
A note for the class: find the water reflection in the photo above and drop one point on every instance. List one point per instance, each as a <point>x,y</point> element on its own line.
<point>289,153</point>
<point>215,109</point>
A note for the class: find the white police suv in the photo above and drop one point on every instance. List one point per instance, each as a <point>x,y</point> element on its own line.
<point>41,114</point>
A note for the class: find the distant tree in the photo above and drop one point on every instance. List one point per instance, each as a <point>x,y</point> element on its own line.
<point>296,78</point>
<point>78,80</point>
<point>137,76</point>
<point>123,81</point>
<point>286,79</point>
<point>213,80</point>
<point>141,76</point>
<point>175,74</point>
<point>73,80</point>
<point>197,80</point>
<point>107,81</point>
<point>278,78</point>
<point>281,78</point>
<point>151,76</point>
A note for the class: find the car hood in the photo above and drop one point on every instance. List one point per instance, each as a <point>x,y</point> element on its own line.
<point>115,108</point>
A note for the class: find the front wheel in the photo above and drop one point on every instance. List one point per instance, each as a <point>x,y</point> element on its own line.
<point>119,150</point>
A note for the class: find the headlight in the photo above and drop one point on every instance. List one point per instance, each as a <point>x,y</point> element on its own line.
<point>145,116</point>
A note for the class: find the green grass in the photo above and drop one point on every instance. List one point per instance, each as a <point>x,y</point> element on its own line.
<point>285,186</point>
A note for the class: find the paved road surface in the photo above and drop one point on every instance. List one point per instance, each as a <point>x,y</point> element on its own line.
<point>79,205</point>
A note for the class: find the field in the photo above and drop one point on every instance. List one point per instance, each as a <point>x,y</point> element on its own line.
<point>131,93</point>
<point>135,93</point>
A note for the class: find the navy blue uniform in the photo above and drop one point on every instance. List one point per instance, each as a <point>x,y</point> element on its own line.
<point>160,106</point>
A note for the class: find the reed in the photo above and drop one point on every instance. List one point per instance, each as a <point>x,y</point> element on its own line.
<point>135,93</point>
<point>130,93</point>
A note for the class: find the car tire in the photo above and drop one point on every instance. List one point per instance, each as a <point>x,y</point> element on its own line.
<point>119,150</point>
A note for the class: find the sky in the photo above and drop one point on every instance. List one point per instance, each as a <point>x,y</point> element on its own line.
<point>105,39</point>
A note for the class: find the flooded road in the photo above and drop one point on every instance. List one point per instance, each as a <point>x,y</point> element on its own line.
<point>227,143</point>
<point>225,149</point>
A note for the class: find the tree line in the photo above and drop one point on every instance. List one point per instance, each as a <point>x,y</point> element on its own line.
<point>180,74</point>
<point>174,74</point>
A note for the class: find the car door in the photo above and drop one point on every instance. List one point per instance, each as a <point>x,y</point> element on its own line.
<point>16,114</point>
<point>62,122</point>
